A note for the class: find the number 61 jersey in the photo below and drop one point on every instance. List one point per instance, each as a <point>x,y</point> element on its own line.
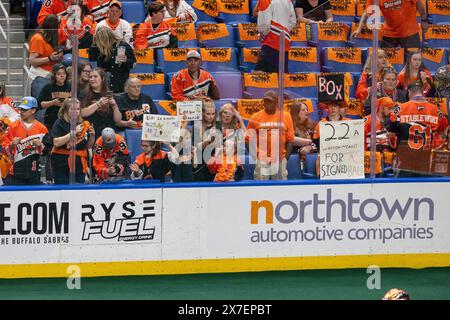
<point>417,123</point>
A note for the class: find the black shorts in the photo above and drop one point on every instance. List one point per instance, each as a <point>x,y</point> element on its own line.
<point>268,60</point>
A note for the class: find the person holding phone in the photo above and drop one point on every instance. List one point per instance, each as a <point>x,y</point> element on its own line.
<point>113,55</point>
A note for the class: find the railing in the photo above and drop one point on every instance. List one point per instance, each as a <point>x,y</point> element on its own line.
<point>26,69</point>
<point>7,38</point>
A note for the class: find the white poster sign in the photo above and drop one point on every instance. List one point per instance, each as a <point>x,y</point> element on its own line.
<point>161,128</point>
<point>189,110</point>
<point>7,111</point>
<point>342,149</point>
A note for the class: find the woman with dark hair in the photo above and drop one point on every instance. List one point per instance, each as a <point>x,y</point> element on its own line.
<point>77,15</point>
<point>303,128</point>
<point>44,53</point>
<point>84,71</point>
<point>415,72</point>
<point>53,95</point>
<point>4,99</point>
<point>115,56</point>
<point>98,105</point>
<point>61,145</point>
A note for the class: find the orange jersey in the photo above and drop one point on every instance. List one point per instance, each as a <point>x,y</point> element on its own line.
<point>183,85</point>
<point>262,124</point>
<point>399,17</point>
<point>418,122</point>
<point>147,37</point>
<point>43,49</point>
<point>98,8</point>
<point>24,156</point>
<point>6,100</point>
<point>56,7</point>
<point>64,33</point>
<point>382,139</point>
<point>275,17</point>
<point>104,158</point>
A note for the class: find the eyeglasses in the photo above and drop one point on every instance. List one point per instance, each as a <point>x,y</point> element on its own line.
<point>23,110</point>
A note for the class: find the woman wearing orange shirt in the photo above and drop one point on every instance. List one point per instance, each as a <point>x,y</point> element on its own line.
<point>415,71</point>
<point>44,53</point>
<point>365,82</point>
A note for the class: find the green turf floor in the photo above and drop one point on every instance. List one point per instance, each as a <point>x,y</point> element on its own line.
<point>431,283</point>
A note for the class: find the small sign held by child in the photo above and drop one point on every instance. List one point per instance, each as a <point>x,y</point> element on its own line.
<point>189,110</point>
<point>161,128</point>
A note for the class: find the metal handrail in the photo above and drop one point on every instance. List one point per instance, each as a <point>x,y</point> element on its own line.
<point>7,38</point>
<point>26,68</point>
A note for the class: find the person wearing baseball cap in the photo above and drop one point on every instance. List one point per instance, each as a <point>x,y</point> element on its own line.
<point>194,83</point>
<point>111,156</point>
<point>24,143</point>
<point>383,138</point>
<point>121,28</point>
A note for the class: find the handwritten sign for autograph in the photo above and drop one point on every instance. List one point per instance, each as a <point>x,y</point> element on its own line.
<point>161,128</point>
<point>342,149</point>
<point>189,110</point>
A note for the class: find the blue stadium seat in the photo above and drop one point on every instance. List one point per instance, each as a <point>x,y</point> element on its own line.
<point>436,41</point>
<point>249,168</point>
<point>242,43</point>
<point>247,66</point>
<point>133,11</point>
<point>331,65</point>
<point>232,65</point>
<point>341,39</point>
<point>223,42</point>
<point>203,17</point>
<point>344,13</point>
<point>233,18</point>
<point>229,84</point>
<point>141,67</point>
<point>32,8</point>
<point>168,66</point>
<point>133,140</point>
<point>293,167</point>
<point>432,66</point>
<point>310,166</point>
<point>305,88</point>
<point>304,60</point>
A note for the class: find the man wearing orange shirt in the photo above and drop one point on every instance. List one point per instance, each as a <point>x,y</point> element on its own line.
<point>400,26</point>
<point>155,32</point>
<point>262,127</point>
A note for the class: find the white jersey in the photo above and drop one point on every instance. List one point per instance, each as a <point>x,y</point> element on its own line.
<point>185,13</point>
<point>123,30</point>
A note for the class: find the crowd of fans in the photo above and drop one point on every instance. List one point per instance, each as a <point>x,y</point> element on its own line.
<point>110,101</point>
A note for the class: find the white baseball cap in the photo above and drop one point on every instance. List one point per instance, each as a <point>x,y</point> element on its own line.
<point>193,54</point>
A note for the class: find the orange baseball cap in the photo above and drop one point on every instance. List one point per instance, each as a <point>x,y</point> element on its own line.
<point>385,102</point>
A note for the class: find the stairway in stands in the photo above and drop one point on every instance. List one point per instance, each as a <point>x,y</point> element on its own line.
<point>15,86</point>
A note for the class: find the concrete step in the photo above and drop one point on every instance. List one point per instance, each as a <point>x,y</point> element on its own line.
<point>16,75</point>
<point>7,7</point>
<point>15,22</point>
<point>16,37</point>
<point>15,50</point>
<point>15,63</point>
<point>15,90</point>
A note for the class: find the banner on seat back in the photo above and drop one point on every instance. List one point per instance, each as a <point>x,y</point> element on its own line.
<point>234,6</point>
<point>441,7</point>
<point>341,149</point>
<point>149,78</point>
<point>334,87</point>
<point>366,33</point>
<point>211,31</point>
<point>184,31</point>
<point>210,7</point>
<point>437,31</point>
<point>247,107</point>
<point>176,54</point>
<point>345,55</point>
<point>216,54</point>
<point>144,56</point>
<point>434,55</point>
<point>343,7</point>
<point>288,104</point>
<point>261,80</point>
<point>394,55</point>
<point>355,108</point>
<point>300,80</point>
<point>378,162</point>
<point>298,33</point>
<point>333,31</point>
<point>169,106</point>
<point>251,55</point>
<point>248,31</point>
<point>303,54</point>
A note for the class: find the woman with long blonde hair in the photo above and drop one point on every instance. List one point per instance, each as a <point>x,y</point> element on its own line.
<point>365,82</point>
<point>113,55</point>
